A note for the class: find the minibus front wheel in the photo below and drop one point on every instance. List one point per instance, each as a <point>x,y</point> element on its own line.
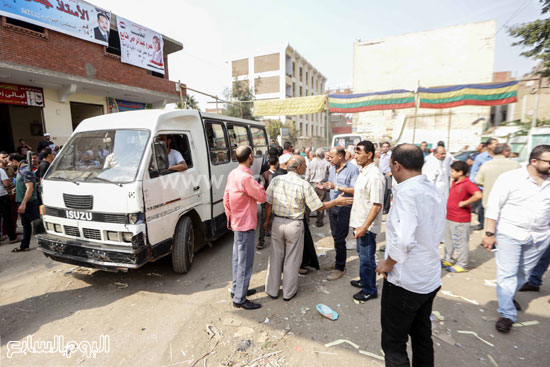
<point>182,248</point>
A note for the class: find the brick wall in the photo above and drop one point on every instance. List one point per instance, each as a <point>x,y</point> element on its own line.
<point>62,53</point>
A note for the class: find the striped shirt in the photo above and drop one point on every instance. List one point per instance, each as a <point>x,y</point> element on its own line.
<point>289,194</point>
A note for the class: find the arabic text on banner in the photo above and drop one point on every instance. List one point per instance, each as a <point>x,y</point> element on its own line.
<point>73,17</point>
<point>290,106</point>
<point>21,95</point>
<point>140,46</point>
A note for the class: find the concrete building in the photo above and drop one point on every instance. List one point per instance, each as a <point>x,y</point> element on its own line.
<point>460,54</point>
<point>69,79</point>
<point>280,72</point>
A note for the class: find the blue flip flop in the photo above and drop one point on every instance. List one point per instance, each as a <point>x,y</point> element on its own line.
<point>327,312</point>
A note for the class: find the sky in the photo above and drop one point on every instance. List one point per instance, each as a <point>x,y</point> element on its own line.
<point>212,31</point>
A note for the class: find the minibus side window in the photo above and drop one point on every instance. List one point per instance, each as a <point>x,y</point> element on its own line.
<point>259,139</point>
<point>238,135</point>
<point>160,158</point>
<point>217,143</point>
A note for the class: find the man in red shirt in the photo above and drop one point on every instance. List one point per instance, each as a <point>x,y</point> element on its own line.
<point>240,199</point>
<point>463,192</point>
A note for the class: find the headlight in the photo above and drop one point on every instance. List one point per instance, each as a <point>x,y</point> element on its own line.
<point>58,228</point>
<point>127,236</point>
<point>49,226</point>
<point>112,236</point>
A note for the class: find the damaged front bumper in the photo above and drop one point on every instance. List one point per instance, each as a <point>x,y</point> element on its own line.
<point>95,255</point>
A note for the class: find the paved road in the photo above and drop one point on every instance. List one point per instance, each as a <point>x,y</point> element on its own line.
<point>160,318</point>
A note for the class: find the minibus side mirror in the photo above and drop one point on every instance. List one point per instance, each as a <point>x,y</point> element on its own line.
<point>160,156</point>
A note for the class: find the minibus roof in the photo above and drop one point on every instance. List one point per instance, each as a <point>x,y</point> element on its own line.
<point>154,120</point>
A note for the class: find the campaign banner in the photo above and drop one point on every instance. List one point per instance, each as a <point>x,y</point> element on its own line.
<point>72,17</point>
<point>21,95</point>
<point>140,46</point>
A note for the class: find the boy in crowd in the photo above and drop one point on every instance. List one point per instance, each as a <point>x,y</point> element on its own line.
<point>463,192</point>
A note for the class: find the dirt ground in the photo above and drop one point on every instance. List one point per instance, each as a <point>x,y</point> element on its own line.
<point>155,317</point>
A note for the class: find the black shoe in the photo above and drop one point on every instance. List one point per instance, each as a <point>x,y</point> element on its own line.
<point>319,225</point>
<point>479,227</point>
<point>382,248</point>
<point>363,297</point>
<point>247,305</point>
<point>260,245</point>
<point>528,287</point>
<point>517,305</point>
<point>356,284</point>
<point>504,325</point>
<point>250,292</point>
<point>288,299</point>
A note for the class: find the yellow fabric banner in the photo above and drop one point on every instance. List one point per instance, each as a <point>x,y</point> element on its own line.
<point>290,106</point>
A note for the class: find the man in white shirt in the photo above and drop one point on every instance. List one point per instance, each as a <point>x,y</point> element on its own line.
<point>411,264</point>
<point>366,219</point>
<point>520,203</point>
<point>384,165</point>
<point>175,159</point>
<point>436,170</point>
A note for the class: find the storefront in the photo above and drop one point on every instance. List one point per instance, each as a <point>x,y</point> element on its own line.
<point>21,115</point>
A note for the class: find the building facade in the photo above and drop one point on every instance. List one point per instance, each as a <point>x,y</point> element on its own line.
<point>50,81</point>
<point>280,72</point>
<point>460,54</point>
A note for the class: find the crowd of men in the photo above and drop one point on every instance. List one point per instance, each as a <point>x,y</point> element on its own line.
<point>19,190</point>
<point>428,198</point>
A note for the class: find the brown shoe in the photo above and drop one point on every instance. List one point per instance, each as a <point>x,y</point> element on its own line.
<point>335,274</point>
<point>504,325</point>
<point>303,271</point>
<point>528,287</point>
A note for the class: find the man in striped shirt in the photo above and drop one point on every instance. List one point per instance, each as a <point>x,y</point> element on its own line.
<point>287,197</point>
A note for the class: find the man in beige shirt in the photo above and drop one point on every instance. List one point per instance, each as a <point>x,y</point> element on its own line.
<point>490,170</point>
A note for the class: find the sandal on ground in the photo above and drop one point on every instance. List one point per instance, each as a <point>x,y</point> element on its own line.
<point>19,249</point>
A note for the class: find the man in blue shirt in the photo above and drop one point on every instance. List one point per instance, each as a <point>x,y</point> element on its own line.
<point>486,156</point>
<point>341,179</point>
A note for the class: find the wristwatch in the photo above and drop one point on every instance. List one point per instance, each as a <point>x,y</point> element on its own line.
<point>489,234</point>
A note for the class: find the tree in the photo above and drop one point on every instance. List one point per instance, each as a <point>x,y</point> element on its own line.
<point>190,103</point>
<point>273,128</point>
<point>536,36</point>
<point>242,98</point>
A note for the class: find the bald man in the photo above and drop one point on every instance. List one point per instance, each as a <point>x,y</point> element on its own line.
<point>287,197</point>
<point>240,199</point>
<point>437,171</point>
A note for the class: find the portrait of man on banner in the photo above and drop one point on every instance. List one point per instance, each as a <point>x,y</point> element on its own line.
<point>157,60</point>
<point>101,32</point>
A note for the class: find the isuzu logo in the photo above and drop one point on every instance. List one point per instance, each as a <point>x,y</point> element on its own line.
<point>75,214</point>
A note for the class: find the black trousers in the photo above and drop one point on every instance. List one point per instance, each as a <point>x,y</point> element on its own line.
<point>387,194</point>
<point>31,213</point>
<point>339,227</point>
<point>6,214</point>
<point>406,313</point>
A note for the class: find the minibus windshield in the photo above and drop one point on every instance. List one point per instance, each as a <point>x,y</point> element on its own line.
<point>100,156</point>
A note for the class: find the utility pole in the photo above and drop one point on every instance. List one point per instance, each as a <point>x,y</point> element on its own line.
<point>181,94</point>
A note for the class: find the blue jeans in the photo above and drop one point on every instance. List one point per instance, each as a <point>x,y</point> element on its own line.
<point>366,248</point>
<point>243,259</point>
<point>515,261</point>
<point>539,270</point>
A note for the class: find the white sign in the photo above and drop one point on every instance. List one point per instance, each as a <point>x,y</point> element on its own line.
<point>73,17</point>
<point>140,46</point>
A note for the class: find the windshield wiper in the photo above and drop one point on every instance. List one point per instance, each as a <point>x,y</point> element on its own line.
<point>63,179</point>
<point>105,180</point>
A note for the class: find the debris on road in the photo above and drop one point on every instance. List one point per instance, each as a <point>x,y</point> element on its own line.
<point>154,274</point>
<point>490,283</point>
<point>244,345</point>
<point>121,285</point>
<point>492,360</point>
<point>345,341</point>
<point>327,312</point>
<point>232,322</point>
<point>323,289</point>
<point>475,334</point>
<point>437,316</point>
<point>444,336</point>
<point>526,323</point>
<point>244,331</point>
<point>303,310</point>
<point>450,294</point>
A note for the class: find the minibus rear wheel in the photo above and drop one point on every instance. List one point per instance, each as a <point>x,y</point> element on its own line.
<point>182,248</point>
